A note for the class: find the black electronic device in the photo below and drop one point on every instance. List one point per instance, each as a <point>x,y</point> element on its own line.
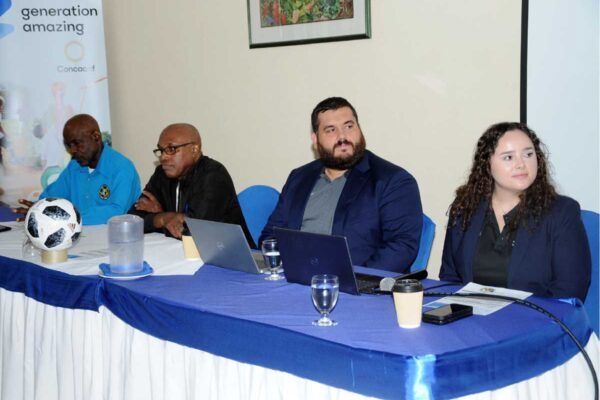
<point>447,314</point>
<point>4,228</point>
<point>385,285</point>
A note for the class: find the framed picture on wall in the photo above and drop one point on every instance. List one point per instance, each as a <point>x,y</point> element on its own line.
<point>288,22</point>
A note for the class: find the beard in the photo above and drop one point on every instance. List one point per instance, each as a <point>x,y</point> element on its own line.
<point>344,162</point>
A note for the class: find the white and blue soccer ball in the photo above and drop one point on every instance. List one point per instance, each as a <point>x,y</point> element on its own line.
<point>53,224</point>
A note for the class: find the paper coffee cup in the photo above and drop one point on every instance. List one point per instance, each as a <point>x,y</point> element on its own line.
<point>408,301</point>
<point>190,251</point>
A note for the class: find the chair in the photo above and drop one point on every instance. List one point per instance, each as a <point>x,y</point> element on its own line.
<point>7,215</point>
<point>425,244</point>
<point>49,175</point>
<point>590,222</point>
<point>257,203</point>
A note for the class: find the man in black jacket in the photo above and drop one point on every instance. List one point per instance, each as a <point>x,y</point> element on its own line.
<point>187,183</point>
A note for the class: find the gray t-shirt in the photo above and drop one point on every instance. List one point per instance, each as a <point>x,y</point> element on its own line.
<point>322,202</point>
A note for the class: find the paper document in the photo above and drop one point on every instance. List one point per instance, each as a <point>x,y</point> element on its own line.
<point>90,254</point>
<point>481,306</point>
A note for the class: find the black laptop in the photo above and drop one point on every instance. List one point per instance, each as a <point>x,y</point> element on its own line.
<point>304,254</point>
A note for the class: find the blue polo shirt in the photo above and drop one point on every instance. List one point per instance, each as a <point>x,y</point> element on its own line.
<point>111,189</point>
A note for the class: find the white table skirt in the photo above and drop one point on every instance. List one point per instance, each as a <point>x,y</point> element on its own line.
<point>54,353</point>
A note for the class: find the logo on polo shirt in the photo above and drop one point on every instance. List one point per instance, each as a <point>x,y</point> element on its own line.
<point>104,192</point>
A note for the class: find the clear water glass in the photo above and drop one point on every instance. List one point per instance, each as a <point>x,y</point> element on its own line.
<point>325,290</point>
<point>28,251</point>
<point>270,251</point>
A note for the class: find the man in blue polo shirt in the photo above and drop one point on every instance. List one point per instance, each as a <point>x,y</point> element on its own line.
<point>98,180</point>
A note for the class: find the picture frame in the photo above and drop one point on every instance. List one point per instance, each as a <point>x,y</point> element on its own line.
<point>292,22</point>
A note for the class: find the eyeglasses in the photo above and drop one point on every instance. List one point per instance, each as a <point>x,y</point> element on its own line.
<point>169,150</point>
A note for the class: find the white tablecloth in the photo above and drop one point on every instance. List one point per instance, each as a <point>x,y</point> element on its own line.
<point>165,255</point>
<point>51,353</point>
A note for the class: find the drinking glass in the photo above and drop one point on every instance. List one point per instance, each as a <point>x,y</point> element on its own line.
<point>270,252</point>
<point>28,251</point>
<point>325,290</point>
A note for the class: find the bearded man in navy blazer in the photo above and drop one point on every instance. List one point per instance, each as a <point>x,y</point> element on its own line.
<point>351,192</point>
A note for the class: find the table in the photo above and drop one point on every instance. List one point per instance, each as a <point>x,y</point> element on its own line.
<point>225,334</point>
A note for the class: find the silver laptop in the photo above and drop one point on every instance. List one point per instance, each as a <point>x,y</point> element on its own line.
<point>224,245</point>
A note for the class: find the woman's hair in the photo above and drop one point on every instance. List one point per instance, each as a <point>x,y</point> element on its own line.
<point>535,200</point>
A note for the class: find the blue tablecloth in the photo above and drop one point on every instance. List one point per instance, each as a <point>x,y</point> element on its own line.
<point>48,286</point>
<point>246,318</point>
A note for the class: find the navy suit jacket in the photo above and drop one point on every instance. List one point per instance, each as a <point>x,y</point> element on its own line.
<point>379,211</point>
<point>552,260</point>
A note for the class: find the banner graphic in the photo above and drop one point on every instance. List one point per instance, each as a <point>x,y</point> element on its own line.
<point>52,66</point>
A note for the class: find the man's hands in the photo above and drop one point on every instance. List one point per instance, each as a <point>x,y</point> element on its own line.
<point>26,205</point>
<point>171,221</point>
<point>147,202</point>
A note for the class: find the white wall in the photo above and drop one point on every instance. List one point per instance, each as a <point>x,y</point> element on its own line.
<point>432,78</point>
<point>562,98</point>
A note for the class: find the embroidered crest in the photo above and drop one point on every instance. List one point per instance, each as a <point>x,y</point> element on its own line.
<point>104,192</point>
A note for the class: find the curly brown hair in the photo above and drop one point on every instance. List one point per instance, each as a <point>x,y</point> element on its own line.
<point>536,200</point>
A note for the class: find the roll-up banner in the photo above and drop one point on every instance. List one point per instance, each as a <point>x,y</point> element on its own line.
<point>52,66</point>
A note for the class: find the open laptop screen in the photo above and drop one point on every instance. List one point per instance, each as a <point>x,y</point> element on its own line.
<point>305,254</point>
<point>223,245</point>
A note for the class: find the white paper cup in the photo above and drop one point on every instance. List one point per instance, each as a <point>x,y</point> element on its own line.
<point>408,301</point>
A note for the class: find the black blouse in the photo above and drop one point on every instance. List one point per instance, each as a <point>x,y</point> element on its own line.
<point>490,266</point>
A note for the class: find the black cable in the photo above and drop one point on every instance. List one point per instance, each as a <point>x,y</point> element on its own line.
<point>538,309</point>
<point>379,292</point>
<point>443,285</point>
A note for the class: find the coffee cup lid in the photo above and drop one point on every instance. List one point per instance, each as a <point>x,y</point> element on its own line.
<point>407,286</point>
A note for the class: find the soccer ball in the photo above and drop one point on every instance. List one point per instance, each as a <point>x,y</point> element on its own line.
<point>53,224</point>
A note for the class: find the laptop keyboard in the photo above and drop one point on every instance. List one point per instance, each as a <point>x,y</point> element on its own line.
<point>260,262</point>
<point>363,285</point>
<point>367,283</point>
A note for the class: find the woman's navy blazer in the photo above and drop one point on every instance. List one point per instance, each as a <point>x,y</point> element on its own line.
<point>550,258</point>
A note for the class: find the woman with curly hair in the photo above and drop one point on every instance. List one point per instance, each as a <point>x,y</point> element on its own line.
<point>507,225</point>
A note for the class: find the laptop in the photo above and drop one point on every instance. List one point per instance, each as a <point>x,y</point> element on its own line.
<point>305,254</point>
<point>224,245</point>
